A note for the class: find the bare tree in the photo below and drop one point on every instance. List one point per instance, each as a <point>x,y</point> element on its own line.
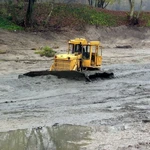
<point>100,3</point>
<point>91,2</point>
<point>134,18</point>
<point>29,13</point>
<point>103,3</point>
<point>132,5</point>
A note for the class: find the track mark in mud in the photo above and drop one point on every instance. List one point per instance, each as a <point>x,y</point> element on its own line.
<point>124,118</point>
<point>146,121</point>
<point>23,111</point>
<point>7,102</point>
<point>99,102</point>
<point>47,97</point>
<point>138,146</point>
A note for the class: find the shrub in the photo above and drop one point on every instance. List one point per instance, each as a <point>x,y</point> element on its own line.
<point>6,24</point>
<point>2,51</point>
<point>46,51</point>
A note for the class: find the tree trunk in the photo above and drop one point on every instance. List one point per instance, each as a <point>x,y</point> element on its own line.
<point>134,19</point>
<point>93,3</point>
<point>131,2</point>
<point>102,4</point>
<point>29,13</point>
<point>138,15</point>
<point>90,2</point>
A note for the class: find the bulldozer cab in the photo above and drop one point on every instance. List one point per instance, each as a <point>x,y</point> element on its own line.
<point>91,54</point>
<point>77,45</point>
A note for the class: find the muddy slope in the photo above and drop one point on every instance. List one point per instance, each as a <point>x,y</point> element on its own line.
<point>109,36</point>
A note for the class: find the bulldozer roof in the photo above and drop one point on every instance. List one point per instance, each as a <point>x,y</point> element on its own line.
<point>78,41</point>
<point>97,43</point>
<point>84,42</point>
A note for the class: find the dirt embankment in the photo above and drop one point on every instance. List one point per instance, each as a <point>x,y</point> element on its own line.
<point>137,37</point>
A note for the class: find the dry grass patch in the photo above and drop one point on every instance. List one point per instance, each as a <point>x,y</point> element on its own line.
<point>2,51</point>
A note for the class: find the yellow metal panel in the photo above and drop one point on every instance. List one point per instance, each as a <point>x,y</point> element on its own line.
<point>94,43</point>
<point>86,63</point>
<point>61,65</point>
<point>99,61</point>
<point>66,56</point>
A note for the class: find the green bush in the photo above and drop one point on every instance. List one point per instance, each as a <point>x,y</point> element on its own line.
<point>46,51</point>
<point>146,18</point>
<point>6,24</point>
<point>3,12</point>
<point>148,23</point>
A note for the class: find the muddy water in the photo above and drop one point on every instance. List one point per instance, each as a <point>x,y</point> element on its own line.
<point>64,137</point>
<point>120,103</point>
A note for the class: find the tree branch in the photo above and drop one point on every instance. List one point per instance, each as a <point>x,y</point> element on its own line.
<point>49,15</point>
<point>106,4</point>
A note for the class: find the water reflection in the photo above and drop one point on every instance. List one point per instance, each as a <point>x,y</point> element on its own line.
<point>64,137</point>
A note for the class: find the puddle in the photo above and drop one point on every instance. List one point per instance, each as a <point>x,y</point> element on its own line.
<point>63,137</point>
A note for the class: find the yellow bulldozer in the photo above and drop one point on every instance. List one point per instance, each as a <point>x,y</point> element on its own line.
<point>82,60</point>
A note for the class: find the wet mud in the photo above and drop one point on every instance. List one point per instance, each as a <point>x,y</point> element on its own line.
<point>113,108</point>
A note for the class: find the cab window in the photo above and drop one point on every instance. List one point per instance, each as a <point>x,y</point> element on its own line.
<point>86,52</point>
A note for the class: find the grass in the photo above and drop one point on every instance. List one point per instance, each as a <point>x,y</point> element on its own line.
<point>46,51</point>
<point>92,16</point>
<point>6,24</point>
<point>77,16</point>
<point>148,23</point>
<point>146,18</point>
<point>80,14</point>
<point>74,16</point>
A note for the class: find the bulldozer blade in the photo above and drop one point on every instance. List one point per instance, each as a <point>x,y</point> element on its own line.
<point>60,74</point>
<point>76,75</point>
<point>36,73</point>
<point>102,75</point>
<point>94,75</point>
<point>69,74</point>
